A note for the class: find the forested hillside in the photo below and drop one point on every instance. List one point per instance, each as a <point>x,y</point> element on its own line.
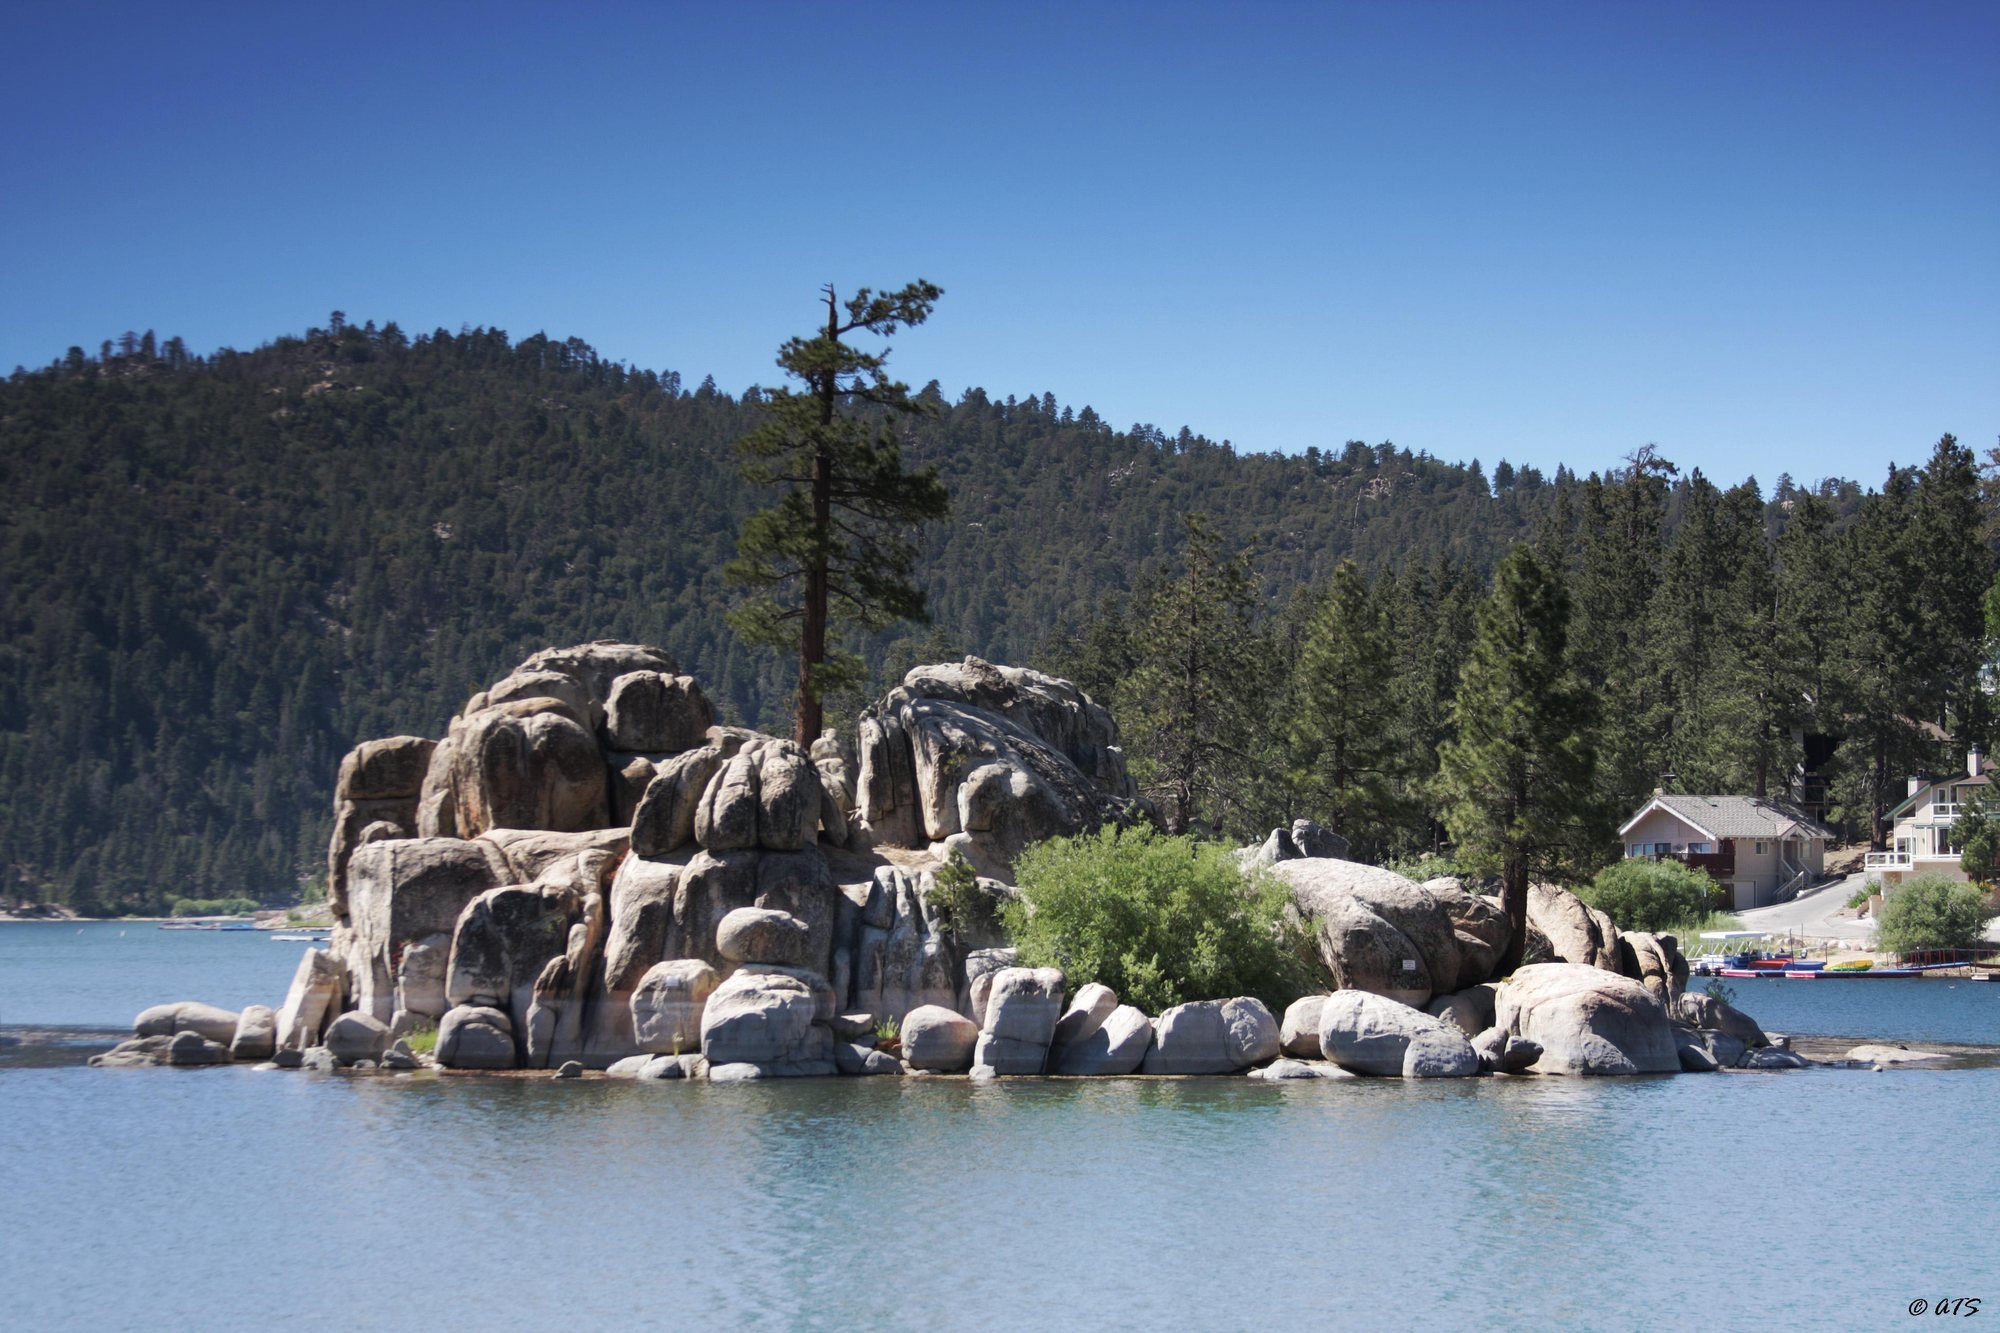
<point>222,572</point>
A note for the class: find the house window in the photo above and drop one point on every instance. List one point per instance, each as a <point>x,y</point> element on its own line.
<point>1760,849</point>
<point>1702,848</point>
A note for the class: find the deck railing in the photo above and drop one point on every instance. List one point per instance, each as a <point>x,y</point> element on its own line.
<point>1887,861</point>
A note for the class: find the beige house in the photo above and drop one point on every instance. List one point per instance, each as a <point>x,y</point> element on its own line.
<point>1920,840</point>
<point>1762,849</point>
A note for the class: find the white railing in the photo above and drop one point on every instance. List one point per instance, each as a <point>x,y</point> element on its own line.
<point>1944,812</point>
<point>1887,861</point>
<point>1793,886</point>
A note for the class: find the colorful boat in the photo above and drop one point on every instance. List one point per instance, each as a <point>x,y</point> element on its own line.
<point>1850,973</point>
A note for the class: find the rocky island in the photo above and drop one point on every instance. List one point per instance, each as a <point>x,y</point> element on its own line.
<point>587,873</point>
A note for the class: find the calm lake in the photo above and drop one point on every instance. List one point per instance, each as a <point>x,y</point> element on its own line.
<point>228,1198</point>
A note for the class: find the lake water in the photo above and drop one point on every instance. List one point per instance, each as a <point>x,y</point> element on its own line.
<point>228,1198</point>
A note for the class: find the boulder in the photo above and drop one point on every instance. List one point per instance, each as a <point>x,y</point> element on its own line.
<point>1770,1057</point>
<point>1469,1010</point>
<point>136,1053</point>
<point>1376,930</point>
<point>989,758</point>
<point>400,1056</point>
<point>1212,1037</point>
<point>166,1020</point>
<point>765,1019</point>
<point>188,1047</point>
<point>1298,1034</point>
<point>1372,1034</point>
<point>476,1037</point>
<point>354,1037</point>
<point>318,1060</point>
<point>420,980</point>
<point>1088,1008</point>
<point>1480,926</point>
<point>536,685</point>
<point>652,710</point>
<point>1285,1071</point>
<point>528,764</point>
<point>666,1067</point>
<point>1587,1020</point>
<point>546,855</point>
<point>667,1005</point>
<point>1694,1057</point>
<point>1022,1008</point>
<point>663,821</point>
<point>1702,1010</point>
<point>1576,932</point>
<point>717,883</point>
<point>503,940</point>
<point>256,1035</point>
<point>595,669</point>
<point>763,935</point>
<point>1875,1053</point>
<point>859,1058</point>
<point>315,995</point>
<point>404,890</point>
<point>1116,1048</point>
<point>1655,962</point>
<point>981,965</point>
<point>641,910</point>
<point>939,1039</point>
<point>389,769</point>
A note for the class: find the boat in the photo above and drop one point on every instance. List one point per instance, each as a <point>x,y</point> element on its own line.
<point>302,937</point>
<point>1846,973</point>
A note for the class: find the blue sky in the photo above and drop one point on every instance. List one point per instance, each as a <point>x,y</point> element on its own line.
<point>1765,237</point>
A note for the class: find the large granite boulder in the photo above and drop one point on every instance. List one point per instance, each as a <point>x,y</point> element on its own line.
<point>664,820</point>
<point>476,1037</point>
<point>1576,931</point>
<point>375,795</point>
<point>1469,1010</point>
<point>668,1003</point>
<point>1587,1020</point>
<point>256,1035</point>
<point>403,890</point>
<point>1480,925</point>
<point>1117,1047</point>
<point>938,1039</point>
<point>595,669</point>
<point>766,1019</point>
<point>1699,1009</point>
<point>314,997</point>
<point>354,1037</point>
<point>1298,1032</point>
<point>764,935</point>
<point>1366,1033</point>
<point>1655,962</point>
<point>1212,1037</point>
<point>165,1020</point>
<point>504,940</point>
<point>767,795</point>
<point>1022,1009</point>
<point>191,1048</point>
<point>987,759</point>
<point>1088,1008</point>
<point>1376,930</point>
<point>654,711</point>
<point>716,883</point>
<point>527,764</point>
<point>641,910</point>
<point>890,952</point>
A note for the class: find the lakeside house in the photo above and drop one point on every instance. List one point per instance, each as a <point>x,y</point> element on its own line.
<point>1920,836</point>
<point>1761,849</point>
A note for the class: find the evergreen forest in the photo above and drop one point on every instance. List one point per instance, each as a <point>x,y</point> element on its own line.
<point>222,572</point>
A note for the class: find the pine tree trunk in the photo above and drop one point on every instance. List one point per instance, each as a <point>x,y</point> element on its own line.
<point>809,714</point>
<point>1514,900</point>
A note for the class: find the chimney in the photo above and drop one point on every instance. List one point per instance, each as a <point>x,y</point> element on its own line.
<point>1916,784</point>
<point>1973,760</point>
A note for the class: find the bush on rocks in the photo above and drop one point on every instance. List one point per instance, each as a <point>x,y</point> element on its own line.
<point>1650,895</point>
<point>1162,921</point>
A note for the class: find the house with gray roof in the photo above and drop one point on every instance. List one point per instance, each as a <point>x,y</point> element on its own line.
<point>1921,840</point>
<point>1762,849</point>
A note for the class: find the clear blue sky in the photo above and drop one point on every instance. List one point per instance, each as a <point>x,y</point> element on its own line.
<point>1765,236</point>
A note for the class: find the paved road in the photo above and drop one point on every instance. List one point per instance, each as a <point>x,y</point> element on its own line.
<point>1815,914</point>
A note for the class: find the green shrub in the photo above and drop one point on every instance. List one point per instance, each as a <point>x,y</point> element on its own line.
<point>214,906</point>
<point>1932,912</point>
<point>956,897</point>
<point>1650,895</point>
<point>1427,866</point>
<point>1162,921</point>
<point>421,1040</point>
<point>1860,897</point>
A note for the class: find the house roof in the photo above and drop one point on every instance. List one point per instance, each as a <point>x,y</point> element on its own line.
<point>1735,816</point>
<point>1985,778</point>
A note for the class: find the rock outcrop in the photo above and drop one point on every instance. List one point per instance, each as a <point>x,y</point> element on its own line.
<point>986,759</point>
<point>1366,1033</point>
<point>1212,1037</point>
<point>1380,932</point>
<point>1587,1020</point>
